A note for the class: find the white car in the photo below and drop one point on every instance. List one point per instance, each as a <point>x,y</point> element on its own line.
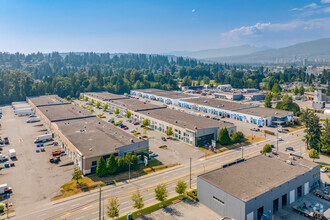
<point>280,139</point>
<point>323,169</point>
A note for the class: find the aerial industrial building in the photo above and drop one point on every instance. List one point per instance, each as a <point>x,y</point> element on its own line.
<point>235,110</point>
<point>85,137</point>
<point>191,129</point>
<point>257,186</point>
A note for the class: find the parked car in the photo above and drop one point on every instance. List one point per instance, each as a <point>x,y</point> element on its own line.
<point>272,145</point>
<point>136,123</point>
<point>289,148</point>
<point>6,140</point>
<point>323,169</point>
<point>206,116</point>
<point>142,126</point>
<point>111,120</point>
<point>280,139</point>
<point>110,113</point>
<point>132,131</point>
<point>260,126</point>
<point>255,129</point>
<point>163,138</point>
<point>153,155</point>
<point>125,128</point>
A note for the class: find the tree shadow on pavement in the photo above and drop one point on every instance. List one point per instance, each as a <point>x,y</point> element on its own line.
<point>172,211</point>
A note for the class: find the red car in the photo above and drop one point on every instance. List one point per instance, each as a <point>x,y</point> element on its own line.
<point>125,128</point>
<point>136,123</point>
<point>8,190</point>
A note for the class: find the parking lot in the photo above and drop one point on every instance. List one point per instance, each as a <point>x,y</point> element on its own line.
<point>176,152</point>
<point>183,210</point>
<point>33,178</point>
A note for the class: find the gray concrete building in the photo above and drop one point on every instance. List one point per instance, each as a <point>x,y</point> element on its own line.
<point>258,186</point>
<point>83,136</point>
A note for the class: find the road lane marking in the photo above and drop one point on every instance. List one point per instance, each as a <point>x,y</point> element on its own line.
<point>290,142</point>
<point>149,188</point>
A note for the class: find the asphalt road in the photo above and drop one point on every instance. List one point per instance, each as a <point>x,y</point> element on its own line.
<point>85,206</point>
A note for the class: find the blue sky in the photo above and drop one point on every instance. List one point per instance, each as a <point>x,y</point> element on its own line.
<point>158,26</point>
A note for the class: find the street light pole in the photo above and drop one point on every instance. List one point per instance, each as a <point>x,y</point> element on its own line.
<point>190,174</point>
<point>277,142</point>
<point>100,203</point>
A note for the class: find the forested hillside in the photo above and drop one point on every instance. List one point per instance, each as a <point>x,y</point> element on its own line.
<point>38,74</point>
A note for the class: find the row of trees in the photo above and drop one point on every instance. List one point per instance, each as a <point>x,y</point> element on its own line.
<point>317,136</point>
<point>161,195</point>
<point>116,165</point>
<point>225,139</point>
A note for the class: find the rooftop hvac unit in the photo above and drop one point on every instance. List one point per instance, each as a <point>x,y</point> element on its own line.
<point>99,122</point>
<point>288,162</point>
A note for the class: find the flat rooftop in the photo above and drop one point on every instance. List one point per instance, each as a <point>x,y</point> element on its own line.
<point>218,103</point>
<point>64,112</point>
<point>95,137</point>
<point>135,105</point>
<point>105,96</point>
<point>184,120</point>
<point>47,100</point>
<point>172,94</point>
<point>265,112</point>
<point>257,175</point>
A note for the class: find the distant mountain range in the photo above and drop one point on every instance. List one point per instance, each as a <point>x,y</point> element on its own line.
<point>317,50</point>
<point>220,52</point>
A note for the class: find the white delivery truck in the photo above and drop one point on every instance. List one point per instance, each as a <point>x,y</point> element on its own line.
<point>43,138</point>
<point>5,189</point>
<point>23,112</point>
<point>32,120</point>
<point>12,153</point>
<point>3,157</point>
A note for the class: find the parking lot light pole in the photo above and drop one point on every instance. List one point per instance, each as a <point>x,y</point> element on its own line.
<point>277,142</point>
<point>190,174</point>
<point>100,204</point>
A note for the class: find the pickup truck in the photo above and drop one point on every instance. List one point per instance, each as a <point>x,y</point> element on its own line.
<point>54,159</point>
<point>57,153</point>
<point>6,140</point>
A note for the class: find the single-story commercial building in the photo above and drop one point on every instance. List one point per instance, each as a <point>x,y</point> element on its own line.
<point>168,97</point>
<point>103,96</point>
<point>258,186</point>
<point>228,95</point>
<point>188,128</point>
<point>85,137</point>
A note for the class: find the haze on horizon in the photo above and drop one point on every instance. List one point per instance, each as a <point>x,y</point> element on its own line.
<point>158,26</point>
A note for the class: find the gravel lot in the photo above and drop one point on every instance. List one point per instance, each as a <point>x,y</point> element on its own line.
<point>33,179</point>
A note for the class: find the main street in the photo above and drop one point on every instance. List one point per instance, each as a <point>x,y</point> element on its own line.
<point>86,205</point>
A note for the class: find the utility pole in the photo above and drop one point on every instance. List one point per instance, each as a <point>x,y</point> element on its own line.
<point>100,204</point>
<point>242,151</point>
<point>103,208</point>
<point>277,141</point>
<point>190,174</point>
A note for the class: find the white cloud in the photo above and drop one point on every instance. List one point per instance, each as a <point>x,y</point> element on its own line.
<point>325,1</point>
<point>193,10</point>
<point>309,6</point>
<point>326,10</point>
<point>278,33</point>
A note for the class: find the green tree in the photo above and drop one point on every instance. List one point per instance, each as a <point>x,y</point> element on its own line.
<point>314,154</point>
<point>113,208</point>
<point>92,101</point>
<point>287,104</point>
<point>268,99</point>
<point>80,96</point>
<point>128,114</point>
<point>169,131</point>
<point>117,111</point>
<point>325,138</point>
<point>224,138</point>
<point>301,90</point>
<point>206,80</point>
<point>146,122</point>
<point>313,128</point>
<point>181,187</point>
<point>106,106</point>
<point>101,168</point>
<point>276,88</point>
<point>77,174</point>
<point>296,91</point>
<point>161,192</point>
<point>98,104</point>
<point>112,165</point>
<point>266,149</point>
<point>86,99</point>
<point>237,137</point>
<point>138,200</point>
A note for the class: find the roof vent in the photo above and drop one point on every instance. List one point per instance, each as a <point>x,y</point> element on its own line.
<point>132,141</point>
<point>79,111</point>
<point>90,149</point>
<point>288,162</point>
<point>176,121</point>
<point>195,128</point>
<point>99,122</point>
